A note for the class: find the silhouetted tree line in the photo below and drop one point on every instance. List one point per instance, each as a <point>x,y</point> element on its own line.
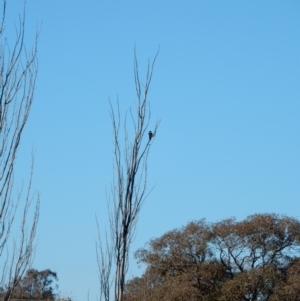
<point>251,260</point>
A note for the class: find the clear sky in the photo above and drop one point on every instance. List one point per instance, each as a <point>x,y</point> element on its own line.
<point>226,87</point>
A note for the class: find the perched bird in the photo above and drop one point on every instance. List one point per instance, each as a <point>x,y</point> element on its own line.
<point>150,135</point>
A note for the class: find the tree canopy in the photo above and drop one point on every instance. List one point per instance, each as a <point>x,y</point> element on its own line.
<point>36,285</point>
<point>254,259</point>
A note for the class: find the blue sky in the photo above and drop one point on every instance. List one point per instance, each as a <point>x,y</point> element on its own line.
<point>225,86</point>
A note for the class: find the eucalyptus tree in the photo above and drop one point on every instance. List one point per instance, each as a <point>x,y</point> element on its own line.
<point>255,259</point>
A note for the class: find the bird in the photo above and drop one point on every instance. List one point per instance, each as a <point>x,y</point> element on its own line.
<point>150,135</point>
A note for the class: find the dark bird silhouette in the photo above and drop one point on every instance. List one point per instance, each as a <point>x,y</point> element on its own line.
<point>150,135</point>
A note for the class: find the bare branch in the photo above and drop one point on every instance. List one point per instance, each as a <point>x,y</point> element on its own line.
<point>18,72</point>
<point>129,187</point>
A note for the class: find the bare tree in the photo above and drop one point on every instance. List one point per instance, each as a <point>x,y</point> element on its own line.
<point>129,187</point>
<point>18,71</point>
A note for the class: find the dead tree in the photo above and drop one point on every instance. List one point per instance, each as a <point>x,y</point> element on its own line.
<point>18,71</point>
<point>129,187</point>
